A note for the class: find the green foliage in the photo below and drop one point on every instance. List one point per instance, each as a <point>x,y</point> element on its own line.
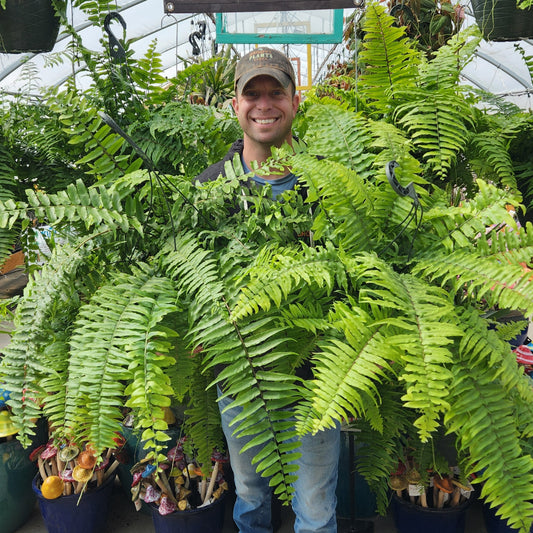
<point>209,82</point>
<point>8,236</point>
<point>181,138</point>
<point>429,23</point>
<point>391,63</point>
<point>170,288</point>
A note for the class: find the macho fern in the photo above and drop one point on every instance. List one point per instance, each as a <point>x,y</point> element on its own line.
<point>382,299</point>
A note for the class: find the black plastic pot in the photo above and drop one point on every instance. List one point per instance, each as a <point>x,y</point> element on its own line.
<point>69,514</point>
<point>203,520</point>
<point>493,523</point>
<point>501,20</point>
<point>409,517</point>
<point>28,26</point>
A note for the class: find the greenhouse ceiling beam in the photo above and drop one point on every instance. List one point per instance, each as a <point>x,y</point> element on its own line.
<point>15,65</point>
<point>174,23</point>
<point>525,83</point>
<point>475,82</point>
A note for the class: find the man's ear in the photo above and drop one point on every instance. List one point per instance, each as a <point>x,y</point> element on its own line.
<point>295,102</point>
<point>235,104</point>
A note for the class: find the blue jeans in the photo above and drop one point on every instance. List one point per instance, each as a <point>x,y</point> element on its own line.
<point>314,501</point>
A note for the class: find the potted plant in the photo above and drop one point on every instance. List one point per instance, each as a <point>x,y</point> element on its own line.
<point>162,279</point>
<point>427,487</point>
<point>182,495</point>
<point>16,471</point>
<point>74,484</point>
<point>503,20</point>
<point>29,25</point>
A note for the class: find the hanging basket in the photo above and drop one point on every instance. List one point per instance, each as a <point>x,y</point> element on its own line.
<point>28,26</point>
<point>501,20</point>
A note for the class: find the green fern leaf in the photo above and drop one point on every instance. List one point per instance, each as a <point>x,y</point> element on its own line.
<point>391,62</point>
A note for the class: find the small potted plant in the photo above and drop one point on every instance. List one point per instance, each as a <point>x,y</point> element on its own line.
<point>429,493</point>
<point>182,495</point>
<point>16,471</point>
<point>74,484</point>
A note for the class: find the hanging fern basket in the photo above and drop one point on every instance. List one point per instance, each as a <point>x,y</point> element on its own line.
<point>501,20</point>
<point>28,26</point>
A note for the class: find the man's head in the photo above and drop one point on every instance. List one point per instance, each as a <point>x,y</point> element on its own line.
<point>264,61</point>
<point>265,101</point>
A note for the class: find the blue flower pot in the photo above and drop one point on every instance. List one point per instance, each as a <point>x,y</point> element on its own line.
<point>410,518</point>
<point>208,519</point>
<point>70,514</point>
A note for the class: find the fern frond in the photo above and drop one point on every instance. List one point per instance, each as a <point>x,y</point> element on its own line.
<point>346,371</point>
<point>437,125</point>
<point>426,360</point>
<point>28,359</point>
<point>462,226</point>
<point>119,331</point>
<point>377,453</point>
<point>250,353</point>
<point>444,69</point>
<point>202,422</point>
<point>333,119</point>
<point>91,206</point>
<point>345,201</point>
<point>391,62</point>
<point>495,156</point>
<point>195,272</point>
<point>489,436</point>
<point>422,335</point>
<point>7,236</point>
<point>277,272</point>
<point>147,75</point>
<point>102,149</point>
<point>497,277</point>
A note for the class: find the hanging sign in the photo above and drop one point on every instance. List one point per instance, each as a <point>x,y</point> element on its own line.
<point>236,6</point>
<point>280,27</point>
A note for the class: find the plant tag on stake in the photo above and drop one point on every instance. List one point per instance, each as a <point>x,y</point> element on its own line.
<point>415,490</point>
<point>466,492</point>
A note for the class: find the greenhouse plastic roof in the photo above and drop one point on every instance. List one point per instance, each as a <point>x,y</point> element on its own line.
<point>497,68</point>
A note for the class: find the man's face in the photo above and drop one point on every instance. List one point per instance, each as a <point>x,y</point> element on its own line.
<point>265,111</point>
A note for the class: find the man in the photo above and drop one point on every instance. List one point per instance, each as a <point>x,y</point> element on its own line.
<point>266,103</point>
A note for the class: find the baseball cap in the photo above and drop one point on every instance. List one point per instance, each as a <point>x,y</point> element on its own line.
<point>263,61</point>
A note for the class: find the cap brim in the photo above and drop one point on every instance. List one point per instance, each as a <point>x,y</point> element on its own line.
<point>279,75</point>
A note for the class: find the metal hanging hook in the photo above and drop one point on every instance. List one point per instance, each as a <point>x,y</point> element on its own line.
<point>116,49</point>
<point>196,37</point>
<point>176,22</point>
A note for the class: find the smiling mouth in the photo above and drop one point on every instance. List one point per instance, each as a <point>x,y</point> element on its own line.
<point>265,120</point>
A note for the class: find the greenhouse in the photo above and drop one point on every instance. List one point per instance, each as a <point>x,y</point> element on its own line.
<point>266,266</point>
<point>497,67</point>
